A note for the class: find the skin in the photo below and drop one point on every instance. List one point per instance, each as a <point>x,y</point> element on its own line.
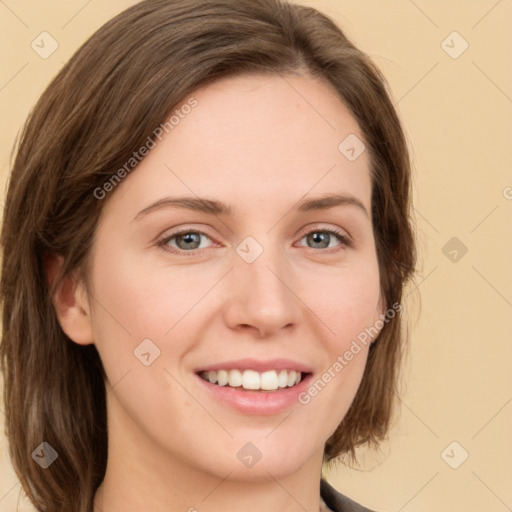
<point>259,144</point>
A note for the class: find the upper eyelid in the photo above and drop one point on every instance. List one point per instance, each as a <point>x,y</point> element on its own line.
<point>181,231</point>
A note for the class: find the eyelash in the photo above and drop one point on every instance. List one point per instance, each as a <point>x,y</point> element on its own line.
<point>344,239</point>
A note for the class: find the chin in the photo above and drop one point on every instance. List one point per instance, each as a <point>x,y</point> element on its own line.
<point>263,459</point>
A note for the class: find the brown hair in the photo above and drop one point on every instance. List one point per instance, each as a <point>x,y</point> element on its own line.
<point>100,109</point>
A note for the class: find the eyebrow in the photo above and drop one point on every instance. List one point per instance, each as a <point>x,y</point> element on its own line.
<point>214,207</point>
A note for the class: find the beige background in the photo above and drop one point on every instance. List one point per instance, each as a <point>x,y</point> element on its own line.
<point>457,113</point>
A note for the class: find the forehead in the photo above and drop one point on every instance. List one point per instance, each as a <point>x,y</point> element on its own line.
<point>261,138</point>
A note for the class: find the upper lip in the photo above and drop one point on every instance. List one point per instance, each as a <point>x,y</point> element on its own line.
<point>257,365</point>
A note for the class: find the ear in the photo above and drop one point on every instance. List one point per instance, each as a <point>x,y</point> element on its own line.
<point>70,300</point>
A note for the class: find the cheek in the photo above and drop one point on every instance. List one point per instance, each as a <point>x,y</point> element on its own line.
<point>346,301</point>
<point>347,305</point>
<point>141,299</point>
<point>127,311</point>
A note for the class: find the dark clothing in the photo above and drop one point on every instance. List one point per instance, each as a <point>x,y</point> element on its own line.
<point>337,502</point>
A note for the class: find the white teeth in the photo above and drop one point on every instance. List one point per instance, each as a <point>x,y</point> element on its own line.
<point>222,377</point>
<point>251,379</point>
<point>282,380</point>
<point>269,380</point>
<point>291,378</point>
<point>235,378</point>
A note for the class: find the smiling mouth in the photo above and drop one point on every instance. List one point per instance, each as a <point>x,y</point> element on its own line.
<point>251,380</point>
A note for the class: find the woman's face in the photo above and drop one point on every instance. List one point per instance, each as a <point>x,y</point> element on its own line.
<point>256,287</point>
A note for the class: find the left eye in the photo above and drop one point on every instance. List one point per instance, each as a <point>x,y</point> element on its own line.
<point>322,238</point>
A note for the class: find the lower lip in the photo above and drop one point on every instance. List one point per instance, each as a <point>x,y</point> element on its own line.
<point>262,403</point>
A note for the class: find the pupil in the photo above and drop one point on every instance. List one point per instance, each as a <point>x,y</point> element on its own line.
<point>189,238</point>
<point>320,238</point>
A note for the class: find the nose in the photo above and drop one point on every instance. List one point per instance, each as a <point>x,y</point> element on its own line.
<point>261,296</point>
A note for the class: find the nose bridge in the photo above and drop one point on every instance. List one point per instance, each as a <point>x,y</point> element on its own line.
<point>260,289</point>
<point>263,277</point>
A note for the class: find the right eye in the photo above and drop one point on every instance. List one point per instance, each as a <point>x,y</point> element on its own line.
<point>183,241</point>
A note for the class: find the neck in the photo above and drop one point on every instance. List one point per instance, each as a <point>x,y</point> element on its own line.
<point>141,476</point>
<point>132,488</point>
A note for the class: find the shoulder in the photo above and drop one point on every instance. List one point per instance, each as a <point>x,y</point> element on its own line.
<point>337,502</point>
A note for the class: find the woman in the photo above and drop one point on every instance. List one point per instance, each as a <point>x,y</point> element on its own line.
<point>205,243</point>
